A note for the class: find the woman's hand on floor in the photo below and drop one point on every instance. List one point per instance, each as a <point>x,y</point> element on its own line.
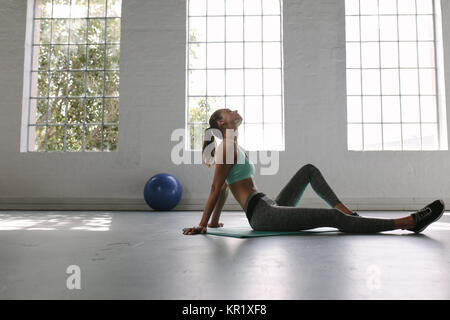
<point>220,224</point>
<point>194,230</point>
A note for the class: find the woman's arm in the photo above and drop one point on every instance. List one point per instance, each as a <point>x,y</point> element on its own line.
<point>220,175</point>
<point>219,206</point>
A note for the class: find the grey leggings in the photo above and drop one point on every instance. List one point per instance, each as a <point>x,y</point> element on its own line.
<point>282,213</point>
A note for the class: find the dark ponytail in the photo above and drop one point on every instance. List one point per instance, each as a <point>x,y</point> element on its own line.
<point>208,138</point>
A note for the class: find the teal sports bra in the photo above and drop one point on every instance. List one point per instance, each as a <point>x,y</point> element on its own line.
<point>241,170</point>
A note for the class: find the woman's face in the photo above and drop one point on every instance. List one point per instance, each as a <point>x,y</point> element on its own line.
<point>231,119</point>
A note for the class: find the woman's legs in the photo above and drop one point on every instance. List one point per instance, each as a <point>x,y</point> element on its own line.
<point>291,194</point>
<point>269,216</point>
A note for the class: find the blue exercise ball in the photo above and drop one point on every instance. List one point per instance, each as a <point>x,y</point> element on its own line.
<point>162,192</point>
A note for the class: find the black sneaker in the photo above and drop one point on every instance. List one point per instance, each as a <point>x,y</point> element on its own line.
<point>355,214</point>
<point>427,215</point>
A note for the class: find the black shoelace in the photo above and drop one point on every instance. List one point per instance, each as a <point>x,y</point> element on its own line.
<point>423,212</point>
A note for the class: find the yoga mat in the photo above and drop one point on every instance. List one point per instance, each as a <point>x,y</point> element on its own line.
<point>247,232</point>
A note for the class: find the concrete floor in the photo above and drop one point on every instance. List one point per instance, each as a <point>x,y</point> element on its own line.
<point>144,255</point>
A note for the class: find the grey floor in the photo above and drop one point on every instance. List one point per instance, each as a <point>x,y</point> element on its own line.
<point>144,255</point>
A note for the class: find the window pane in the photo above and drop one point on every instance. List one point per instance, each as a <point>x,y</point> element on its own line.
<point>425,27</point>
<point>406,6</point>
<point>353,55</point>
<point>252,7</point>
<point>42,31</point>
<point>272,54</point>
<point>272,109</point>
<point>113,30</point>
<point>110,138</point>
<point>79,8</point>
<point>351,6</point>
<point>96,31</point>
<point>197,55</point>
<point>252,28</point>
<point>38,111</point>
<point>77,57</point>
<point>112,57</point>
<point>392,136</point>
<point>55,138</point>
<point>94,85</point>
<point>39,82</point>
<point>407,28</point>
<point>234,7</point>
<point>216,7</point>
<point>354,137</point>
<point>270,6</point>
<point>94,110</point>
<point>93,139</point>
<point>253,110</point>
<point>43,9</point>
<point>272,81</point>
<point>372,109</point>
<point>61,9</point>
<point>36,138</point>
<point>235,54</point>
<point>253,82</point>
<point>76,84</point>
<point>59,57</point>
<point>352,29</point>
<point>78,29</point>
<point>388,28</point>
<point>427,81</point>
<point>390,81</point>
<point>96,57</point>
<point>235,84</point>
<point>197,7</point>
<point>112,83</point>
<point>216,55</point>
<point>408,54</point>
<point>369,28</point>
<point>60,31</point>
<point>371,82</point>
<point>388,7</point>
<point>97,8</point>
<point>114,8</point>
<point>428,108</point>
<point>353,82</point>
<point>216,82</point>
<point>271,31</point>
<point>253,55</point>
<point>372,137</point>
<point>426,54</point>
<point>197,29</point>
<point>389,54</point>
<point>369,6</point>
<point>75,111</point>
<point>235,28</point>
<point>430,137</point>
<point>354,109</point>
<point>409,81</point>
<point>273,136</point>
<point>58,84</point>
<point>74,138</point>
<point>216,29</point>
<point>391,108</point>
<point>410,109</point>
<point>424,6</point>
<point>370,55</point>
<point>197,109</point>
<point>253,136</point>
<point>57,111</point>
<point>411,137</point>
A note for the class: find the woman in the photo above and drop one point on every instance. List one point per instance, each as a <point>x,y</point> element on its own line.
<point>282,214</point>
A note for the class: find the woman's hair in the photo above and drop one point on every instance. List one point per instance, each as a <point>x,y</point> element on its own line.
<point>208,138</point>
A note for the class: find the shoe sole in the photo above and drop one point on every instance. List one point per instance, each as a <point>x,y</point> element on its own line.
<point>442,212</point>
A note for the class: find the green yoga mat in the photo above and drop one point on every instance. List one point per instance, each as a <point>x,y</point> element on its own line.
<point>247,232</point>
